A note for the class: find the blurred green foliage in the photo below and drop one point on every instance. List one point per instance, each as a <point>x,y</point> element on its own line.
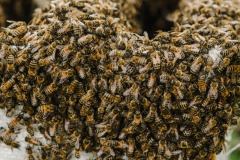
<point>235,155</point>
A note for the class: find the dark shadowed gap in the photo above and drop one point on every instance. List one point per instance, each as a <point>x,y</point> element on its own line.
<point>153,14</point>
<point>19,10</point>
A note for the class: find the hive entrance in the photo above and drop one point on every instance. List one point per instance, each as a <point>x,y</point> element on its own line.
<point>153,15</point>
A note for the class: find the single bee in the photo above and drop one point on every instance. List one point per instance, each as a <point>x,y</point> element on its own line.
<point>11,143</point>
<point>33,66</point>
<point>30,153</point>
<point>51,49</point>
<point>139,60</point>
<point>77,149</point>
<point>15,121</point>
<point>166,113</point>
<point>155,60</point>
<point>64,75</point>
<point>196,65</point>
<point>212,123</point>
<point>202,86</point>
<point>39,94</point>
<point>131,146</point>
<point>10,63</point>
<point>85,98</point>
<point>213,91</point>
<point>151,114</point>
<point>173,130</point>
<point>46,61</point>
<point>223,64</point>
<point>161,146</point>
<point>33,141</point>
<point>46,108</point>
<point>51,88</point>
<point>29,127</point>
<point>18,31</point>
<point>7,85</point>
<point>66,51</point>
<point>77,58</point>
<point>184,76</point>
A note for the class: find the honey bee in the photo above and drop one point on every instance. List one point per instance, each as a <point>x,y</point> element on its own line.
<point>51,88</point>
<point>212,123</point>
<point>44,132</point>
<point>38,94</point>
<point>223,64</point>
<point>77,149</point>
<point>161,146</point>
<point>200,143</point>
<point>18,31</point>
<point>46,108</point>
<point>146,68</point>
<point>30,129</point>
<point>66,51</point>
<point>10,63</point>
<point>43,155</point>
<point>11,143</point>
<point>30,153</point>
<point>233,69</point>
<point>51,49</point>
<point>46,61</point>
<point>166,113</point>
<point>137,119</point>
<point>155,60</point>
<point>15,121</point>
<point>151,114</point>
<point>213,91</point>
<point>131,146</point>
<point>202,86</point>
<point>77,58</point>
<point>102,129</point>
<point>184,76</point>
<point>196,65</point>
<point>7,85</point>
<point>32,71</point>
<point>64,75</point>
<point>86,39</point>
<point>85,98</point>
<point>165,77</point>
<point>139,60</point>
<point>21,59</point>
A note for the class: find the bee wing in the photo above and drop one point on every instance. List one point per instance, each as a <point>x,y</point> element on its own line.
<point>112,152</point>
<point>180,157</point>
<point>33,99</point>
<point>52,130</point>
<point>177,152</point>
<point>127,92</point>
<point>115,20</point>
<point>77,144</point>
<point>100,152</point>
<point>122,134</point>
<point>101,133</point>
<point>101,125</point>
<point>66,125</point>
<point>179,93</point>
<point>52,57</point>
<point>35,49</point>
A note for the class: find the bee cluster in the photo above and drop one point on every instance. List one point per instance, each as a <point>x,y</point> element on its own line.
<point>89,83</point>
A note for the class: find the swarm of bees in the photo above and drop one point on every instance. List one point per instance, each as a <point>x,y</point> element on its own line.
<point>86,82</point>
